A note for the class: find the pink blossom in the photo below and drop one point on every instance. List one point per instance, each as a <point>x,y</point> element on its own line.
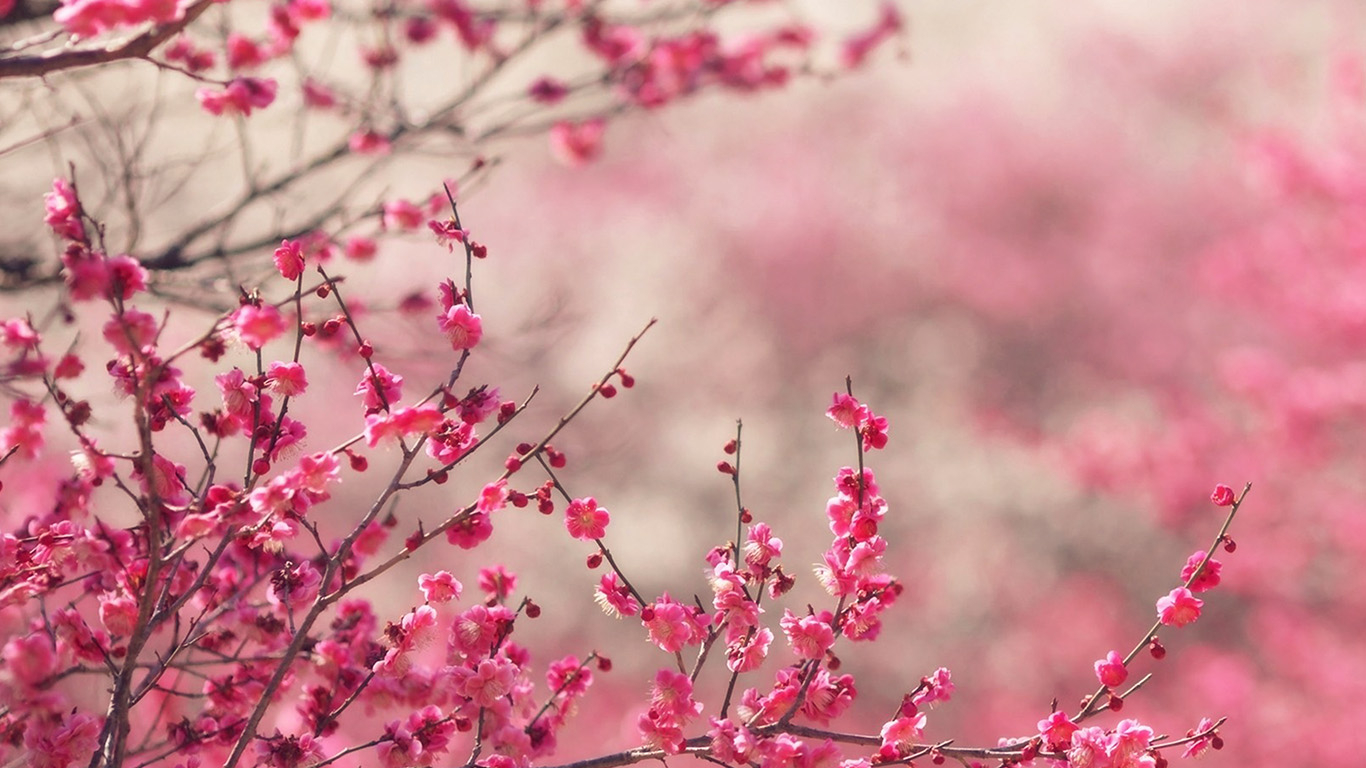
<point>244,53</point>
<point>748,652</point>
<point>576,144</point>
<point>317,95</point>
<point>671,697</point>
<point>585,520</point>
<point>239,394</point>
<point>132,331</point>
<point>118,613</point>
<point>671,625</point>
<point>70,742</point>
<point>241,96</point>
<point>470,532</point>
<point>1089,748</point>
<point>127,277</point>
<point>63,211</point>
<point>1129,745</point>
<point>1209,575</point>
<point>401,422</point>
<point>614,598</point>
<point>900,734</point>
<point>360,248</point>
<point>809,636</point>
<point>844,410</point>
<point>762,546</point>
<point>401,215</point>
<point>1223,496</point>
<point>857,48</point>
<point>440,587</point>
<point>294,585</point>
<point>30,659</point>
<point>493,498</point>
<point>1111,670</point>
<point>497,582</point>
<point>89,18</point>
<point>1057,730</point>
<point>16,333</point>
<point>488,682</point>
<point>379,388</point>
<point>1179,608</point>
<point>257,325</point>
<point>1199,746</point>
<point>287,378</point>
<point>462,327</point>
<point>289,259</point>
<point>25,430</point>
<point>937,686</point>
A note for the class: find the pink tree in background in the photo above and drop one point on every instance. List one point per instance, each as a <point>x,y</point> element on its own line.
<point>194,586</point>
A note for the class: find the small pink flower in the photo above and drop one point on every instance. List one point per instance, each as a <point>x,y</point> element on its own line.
<point>462,327</point>
<point>470,532</point>
<point>1198,747</point>
<point>288,379</point>
<point>1209,576</point>
<point>493,498</point>
<point>360,248</point>
<point>585,519</point>
<point>377,379</point>
<point>243,52</point>
<point>317,95</point>
<point>809,636</point>
<point>1057,730</point>
<point>289,259</point>
<point>497,582</point>
<point>614,598</point>
<point>903,732</point>
<point>1222,496</point>
<point>844,410</point>
<point>401,214</point>
<point>576,144</point>
<point>490,681</point>
<point>241,96</point>
<point>1111,670</point>
<point>440,587</point>
<point>1179,608</point>
<point>256,325</point>
<point>119,613</point>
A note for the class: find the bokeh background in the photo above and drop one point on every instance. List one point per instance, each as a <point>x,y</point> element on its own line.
<point>1089,260</point>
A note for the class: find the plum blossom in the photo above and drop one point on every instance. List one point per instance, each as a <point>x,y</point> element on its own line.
<point>1111,670</point>
<point>585,520</point>
<point>440,587</point>
<point>257,325</point>
<point>1179,608</point>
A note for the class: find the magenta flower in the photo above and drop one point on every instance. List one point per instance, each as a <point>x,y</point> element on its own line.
<point>1111,670</point>
<point>289,259</point>
<point>440,587</point>
<point>1179,608</point>
<point>256,325</point>
<point>1222,496</point>
<point>585,519</point>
